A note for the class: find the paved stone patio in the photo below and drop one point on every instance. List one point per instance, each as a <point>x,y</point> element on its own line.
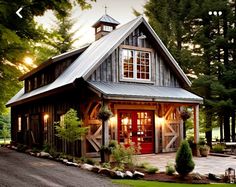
<point>203,165</point>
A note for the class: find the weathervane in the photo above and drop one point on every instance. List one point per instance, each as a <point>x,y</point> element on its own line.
<point>105,9</point>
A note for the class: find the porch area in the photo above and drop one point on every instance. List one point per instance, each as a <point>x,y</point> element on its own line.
<point>203,165</point>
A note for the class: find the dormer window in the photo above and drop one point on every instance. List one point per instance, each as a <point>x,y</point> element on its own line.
<point>136,65</point>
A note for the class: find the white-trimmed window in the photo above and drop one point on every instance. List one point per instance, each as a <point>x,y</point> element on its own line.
<point>19,124</point>
<point>107,28</point>
<point>136,65</point>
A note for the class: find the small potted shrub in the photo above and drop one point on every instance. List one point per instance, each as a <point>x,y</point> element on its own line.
<point>203,148</point>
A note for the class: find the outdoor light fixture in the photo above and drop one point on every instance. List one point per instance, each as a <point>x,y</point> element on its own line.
<point>161,120</point>
<point>230,175</point>
<point>45,117</point>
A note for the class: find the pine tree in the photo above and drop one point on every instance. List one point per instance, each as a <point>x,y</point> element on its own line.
<point>184,161</point>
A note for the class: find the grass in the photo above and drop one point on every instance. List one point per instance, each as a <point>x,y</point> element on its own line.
<point>2,141</point>
<point>143,183</point>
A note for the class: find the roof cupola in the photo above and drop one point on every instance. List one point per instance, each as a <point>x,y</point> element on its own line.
<point>104,25</point>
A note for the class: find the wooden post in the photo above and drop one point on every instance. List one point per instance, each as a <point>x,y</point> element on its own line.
<point>105,133</point>
<point>196,123</point>
<point>157,138</point>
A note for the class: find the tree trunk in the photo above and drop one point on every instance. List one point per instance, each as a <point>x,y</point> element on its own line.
<point>221,127</point>
<point>233,127</point>
<point>226,127</point>
<point>208,132</point>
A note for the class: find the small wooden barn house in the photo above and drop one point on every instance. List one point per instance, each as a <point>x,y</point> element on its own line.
<point>127,68</point>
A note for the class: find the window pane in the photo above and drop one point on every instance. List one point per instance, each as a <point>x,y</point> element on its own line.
<point>143,66</point>
<point>128,63</point>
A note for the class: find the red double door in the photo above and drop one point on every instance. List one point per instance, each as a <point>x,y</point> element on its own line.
<point>136,127</point>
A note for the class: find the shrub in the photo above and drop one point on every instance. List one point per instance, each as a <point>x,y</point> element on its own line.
<point>170,168</point>
<point>184,161</point>
<point>143,165</point>
<point>106,165</point>
<point>90,161</point>
<point>218,148</point>
<point>151,169</point>
<point>122,154</point>
<point>21,147</point>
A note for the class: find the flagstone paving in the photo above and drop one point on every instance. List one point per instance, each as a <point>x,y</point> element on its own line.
<point>203,165</point>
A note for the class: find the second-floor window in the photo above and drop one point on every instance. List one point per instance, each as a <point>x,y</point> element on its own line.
<point>136,65</point>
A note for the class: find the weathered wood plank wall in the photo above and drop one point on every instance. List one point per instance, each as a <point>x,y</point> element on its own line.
<point>109,70</point>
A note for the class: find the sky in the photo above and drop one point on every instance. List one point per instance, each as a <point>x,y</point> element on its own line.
<point>120,10</point>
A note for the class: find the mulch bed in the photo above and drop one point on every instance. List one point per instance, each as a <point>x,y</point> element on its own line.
<point>163,177</point>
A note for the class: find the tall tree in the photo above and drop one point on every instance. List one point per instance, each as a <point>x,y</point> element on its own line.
<point>61,37</point>
<point>210,54</point>
<point>17,36</point>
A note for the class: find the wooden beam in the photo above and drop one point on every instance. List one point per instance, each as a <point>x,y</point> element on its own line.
<point>196,123</point>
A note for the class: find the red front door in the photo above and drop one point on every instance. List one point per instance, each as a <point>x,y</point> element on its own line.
<point>136,127</point>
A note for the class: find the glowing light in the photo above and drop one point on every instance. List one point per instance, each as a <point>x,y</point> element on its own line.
<point>28,61</point>
<point>45,117</point>
<point>125,121</point>
<point>161,121</point>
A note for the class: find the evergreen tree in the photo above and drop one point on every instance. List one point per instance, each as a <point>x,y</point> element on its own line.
<point>71,129</point>
<point>210,55</point>
<point>184,161</point>
<point>19,36</point>
<point>61,37</point>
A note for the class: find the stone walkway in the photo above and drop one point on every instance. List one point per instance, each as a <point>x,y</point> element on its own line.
<point>203,165</point>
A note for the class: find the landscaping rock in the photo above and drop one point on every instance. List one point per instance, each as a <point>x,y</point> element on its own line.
<point>105,171</point>
<point>95,169</point>
<point>87,167</point>
<point>14,147</point>
<point>196,176</point>
<point>37,154</point>
<point>113,174</point>
<point>128,174</point>
<point>212,176</point>
<point>138,174</point>
<point>65,161</point>
<point>32,153</point>
<point>44,154</point>
<point>120,174</point>
<point>75,164</point>
<point>69,163</point>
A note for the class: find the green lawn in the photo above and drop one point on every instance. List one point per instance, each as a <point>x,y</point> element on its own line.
<point>2,141</point>
<point>143,183</point>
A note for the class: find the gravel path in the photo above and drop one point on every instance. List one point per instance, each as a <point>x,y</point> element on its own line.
<point>19,169</point>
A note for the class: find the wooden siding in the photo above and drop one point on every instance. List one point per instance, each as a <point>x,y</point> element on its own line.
<point>54,107</point>
<point>110,69</point>
<point>47,75</point>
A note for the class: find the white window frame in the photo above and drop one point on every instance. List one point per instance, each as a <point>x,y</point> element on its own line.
<point>107,28</point>
<point>135,79</point>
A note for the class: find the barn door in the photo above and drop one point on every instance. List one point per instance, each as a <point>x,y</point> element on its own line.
<point>171,130</point>
<point>36,130</point>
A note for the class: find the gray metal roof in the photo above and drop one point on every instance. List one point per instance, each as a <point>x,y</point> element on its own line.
<point>132,91</point>
<point>106,19</point>
<point>94,55</point>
